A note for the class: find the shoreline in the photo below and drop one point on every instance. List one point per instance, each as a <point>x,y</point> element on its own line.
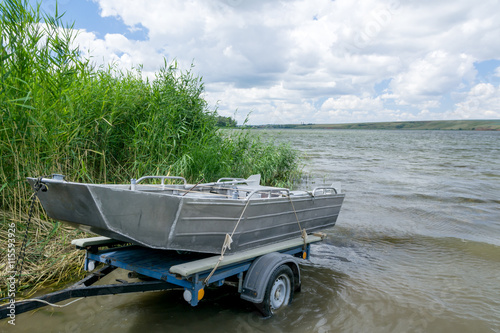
<point>449,125</point>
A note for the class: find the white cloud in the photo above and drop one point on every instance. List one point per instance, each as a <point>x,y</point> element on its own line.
<point>427,80</point>
<point>351,108</point>
<point>281,59</point>
<point>118,50</point>
<point>482,102</point>
<point>351,102</point>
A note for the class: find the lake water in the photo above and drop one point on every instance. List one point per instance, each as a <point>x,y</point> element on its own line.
<point>416,247</point>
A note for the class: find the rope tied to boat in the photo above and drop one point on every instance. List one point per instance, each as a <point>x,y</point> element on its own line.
<point>229,238</point>
<point>303,232</point>
<point>227,243</point>
<point>37,186</point>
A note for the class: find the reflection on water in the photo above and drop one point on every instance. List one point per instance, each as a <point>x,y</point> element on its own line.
<point>416,247</point>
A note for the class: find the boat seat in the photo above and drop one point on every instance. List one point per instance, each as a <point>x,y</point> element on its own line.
<point>299,193</point>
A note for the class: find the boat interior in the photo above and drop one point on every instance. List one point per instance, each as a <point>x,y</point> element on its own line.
<point>229,188</point>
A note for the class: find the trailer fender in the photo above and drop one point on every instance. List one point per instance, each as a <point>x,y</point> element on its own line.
<point>257,277</point>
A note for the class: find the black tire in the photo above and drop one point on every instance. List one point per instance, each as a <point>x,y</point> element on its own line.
<point>279,291</point>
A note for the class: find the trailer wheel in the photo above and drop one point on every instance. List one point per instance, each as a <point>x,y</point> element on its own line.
<point>279,291</point>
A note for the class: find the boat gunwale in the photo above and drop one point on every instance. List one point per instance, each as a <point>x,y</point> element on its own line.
<point>206,198</point>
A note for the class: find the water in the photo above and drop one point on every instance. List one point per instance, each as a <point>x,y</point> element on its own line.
<point>416,247</point>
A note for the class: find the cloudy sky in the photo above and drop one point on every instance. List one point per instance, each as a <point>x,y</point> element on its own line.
<point>310,61</point>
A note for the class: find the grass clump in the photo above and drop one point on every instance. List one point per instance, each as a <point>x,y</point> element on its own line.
<point>62,114</point>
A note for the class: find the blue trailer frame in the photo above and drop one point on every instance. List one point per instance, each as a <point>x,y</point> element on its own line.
<point>171,269</point>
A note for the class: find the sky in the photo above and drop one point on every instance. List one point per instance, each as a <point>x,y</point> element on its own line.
<point>309,61</point>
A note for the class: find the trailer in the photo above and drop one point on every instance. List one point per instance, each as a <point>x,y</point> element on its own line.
<point>267,276</point>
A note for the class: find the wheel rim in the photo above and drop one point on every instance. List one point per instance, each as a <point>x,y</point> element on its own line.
<point>280,292</point>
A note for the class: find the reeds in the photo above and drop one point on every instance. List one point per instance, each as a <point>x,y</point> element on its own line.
<point>61,114</point>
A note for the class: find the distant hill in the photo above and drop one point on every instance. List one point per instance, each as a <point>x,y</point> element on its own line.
<point>457,125</point>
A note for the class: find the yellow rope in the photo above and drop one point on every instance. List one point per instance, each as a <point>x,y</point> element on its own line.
<point>229,238</point>
<point>227,243</point>
<point>296,217</point>
<point>303,232</point>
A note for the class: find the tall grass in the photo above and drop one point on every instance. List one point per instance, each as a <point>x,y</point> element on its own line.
<point>62,114</point>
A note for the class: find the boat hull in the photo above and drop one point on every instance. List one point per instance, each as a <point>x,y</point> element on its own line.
<point>194,222</point>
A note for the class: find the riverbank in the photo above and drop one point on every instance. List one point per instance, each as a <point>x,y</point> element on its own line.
<point>452,125</point>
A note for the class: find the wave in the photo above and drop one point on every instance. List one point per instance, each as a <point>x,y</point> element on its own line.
<point>360,240</point>
<point>442,199</point>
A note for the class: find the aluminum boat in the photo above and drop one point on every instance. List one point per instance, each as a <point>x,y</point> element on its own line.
<point>164,212</point>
